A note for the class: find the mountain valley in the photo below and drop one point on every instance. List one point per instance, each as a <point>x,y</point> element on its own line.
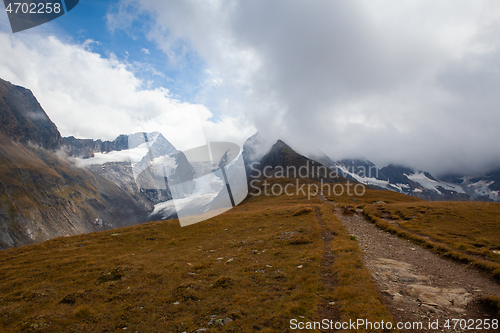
<point>270,261</point>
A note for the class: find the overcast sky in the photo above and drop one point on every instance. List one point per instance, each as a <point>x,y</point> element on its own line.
<point>409,82</point>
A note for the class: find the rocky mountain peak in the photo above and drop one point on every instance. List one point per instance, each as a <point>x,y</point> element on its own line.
<point>22,119</point>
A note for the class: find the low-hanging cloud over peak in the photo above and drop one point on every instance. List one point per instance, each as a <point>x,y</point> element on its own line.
<point>411,83</point>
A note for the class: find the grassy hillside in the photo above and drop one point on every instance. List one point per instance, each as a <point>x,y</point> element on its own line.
<point>253,268</point>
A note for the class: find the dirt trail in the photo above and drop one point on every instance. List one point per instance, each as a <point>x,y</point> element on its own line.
<point>327,309</point>
<point>417,285</point>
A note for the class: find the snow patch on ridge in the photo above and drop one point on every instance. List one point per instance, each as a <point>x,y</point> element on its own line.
<point>430,184</point>
<point>481,189</point>
<point>400,186</point>
<point>363,180</point>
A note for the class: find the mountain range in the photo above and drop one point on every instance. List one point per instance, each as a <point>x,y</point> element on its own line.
<point>402,179</point>
<point>57,186</point>
<point>43,194</point>
<point>112,160</point>
<point>422,184</point>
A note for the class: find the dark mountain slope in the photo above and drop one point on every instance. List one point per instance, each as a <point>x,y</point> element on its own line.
<point>45,197</point>
<point>396,174</point>
<point>42,195</point>
<point>23,120</point>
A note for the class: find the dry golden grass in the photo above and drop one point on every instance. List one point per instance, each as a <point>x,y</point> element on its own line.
<point>470,226</point>
<point>369,196</point>
<point>159,277</point>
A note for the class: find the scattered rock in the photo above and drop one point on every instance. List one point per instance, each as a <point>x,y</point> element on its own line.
<point>416,289</point>
<point>219,321</point>
<point>457,310</point>
<point>398,298</point>
<point>223,321</point>
<point>428,309</point>
<point>408,277</point>
<point>396,274</point>
<point>386,293</point>
<point>434,298</point>
<point>384,263</point>
<point>458,298</point>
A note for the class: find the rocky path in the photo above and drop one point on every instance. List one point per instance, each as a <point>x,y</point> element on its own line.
<point>417,285</point>
<point>327,309</point>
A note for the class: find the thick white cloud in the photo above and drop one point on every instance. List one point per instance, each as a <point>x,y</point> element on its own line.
<point>412,82</point>
<point>89,96</point>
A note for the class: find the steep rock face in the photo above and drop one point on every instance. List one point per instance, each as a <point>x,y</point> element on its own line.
<point>23,120</point>
<point>396,174</point>
<point>121,174</point>
<point>44,197</point>
<point>86,148</point>
<point>42,194</point>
